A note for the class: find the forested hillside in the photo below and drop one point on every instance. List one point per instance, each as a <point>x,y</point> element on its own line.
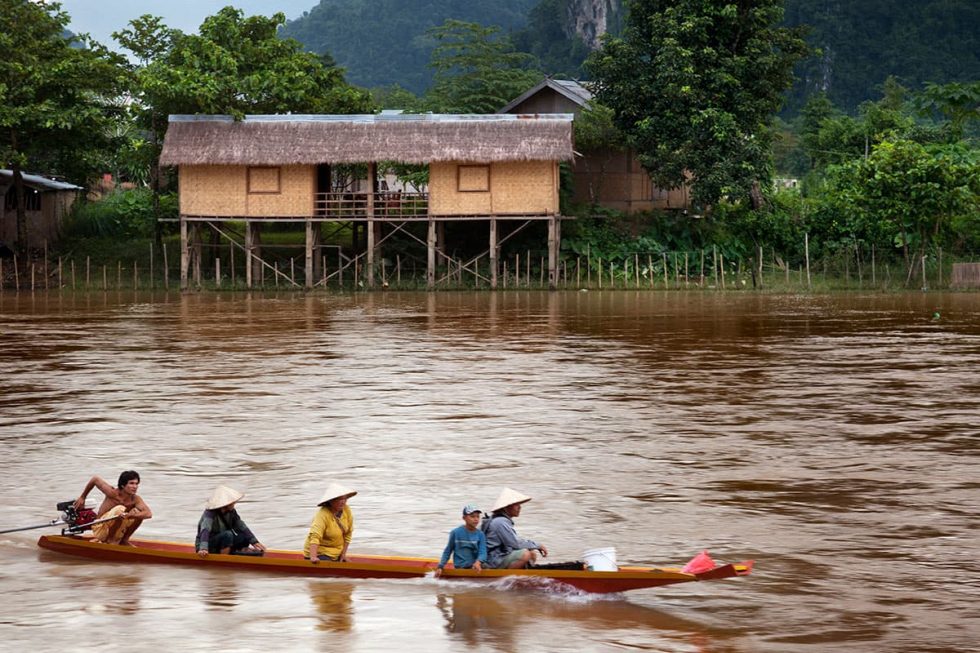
<point>857,43</point>
<point>862,42</point>
<point>383,42</point>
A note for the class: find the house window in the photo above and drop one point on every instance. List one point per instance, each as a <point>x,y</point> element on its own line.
<point>32,199</point>
<point>473,179</point>
<point>264,181</point>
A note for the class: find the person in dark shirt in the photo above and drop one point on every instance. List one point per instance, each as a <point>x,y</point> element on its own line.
<point>221,529</point>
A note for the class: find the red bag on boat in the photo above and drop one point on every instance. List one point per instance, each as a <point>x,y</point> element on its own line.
<point>699,564</point>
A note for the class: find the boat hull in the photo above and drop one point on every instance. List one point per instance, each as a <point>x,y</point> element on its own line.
<point>369,566</point>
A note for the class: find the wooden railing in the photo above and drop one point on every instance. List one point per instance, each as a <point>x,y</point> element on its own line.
<point>388,205</point>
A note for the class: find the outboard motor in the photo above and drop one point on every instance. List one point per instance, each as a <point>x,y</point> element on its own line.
<point>75,519</point>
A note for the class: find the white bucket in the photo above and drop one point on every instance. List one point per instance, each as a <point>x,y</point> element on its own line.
<point>601,559</point>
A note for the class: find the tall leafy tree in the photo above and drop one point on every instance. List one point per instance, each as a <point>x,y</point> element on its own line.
<point>477,69</point>
<point>58,96</point>
<point>235,65</point>
<point>694,85</point>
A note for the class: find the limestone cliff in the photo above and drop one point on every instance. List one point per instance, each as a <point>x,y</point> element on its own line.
<point>590,19</point>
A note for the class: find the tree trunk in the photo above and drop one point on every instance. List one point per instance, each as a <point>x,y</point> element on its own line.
<point>20,245</point>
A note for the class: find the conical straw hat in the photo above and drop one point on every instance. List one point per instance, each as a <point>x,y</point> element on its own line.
<point>508,497</point>
<point>223,496</point>
<point>334,491</point>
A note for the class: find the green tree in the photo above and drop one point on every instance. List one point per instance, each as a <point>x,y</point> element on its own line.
<point>957,103</point>
<point>58,96</point>
<point>914,189</point>
<point>477,70</point>
<point>694,85</point>
<point>235,65</point>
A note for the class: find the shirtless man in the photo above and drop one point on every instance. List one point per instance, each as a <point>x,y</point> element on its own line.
<point>122,502</point>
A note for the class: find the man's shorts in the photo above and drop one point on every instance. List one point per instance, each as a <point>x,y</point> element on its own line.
<point>511,558</point>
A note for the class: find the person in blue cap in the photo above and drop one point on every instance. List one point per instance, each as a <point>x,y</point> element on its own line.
<point>467,544</point>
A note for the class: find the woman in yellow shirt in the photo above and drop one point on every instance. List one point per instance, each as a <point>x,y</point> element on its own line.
<point>332,527</point>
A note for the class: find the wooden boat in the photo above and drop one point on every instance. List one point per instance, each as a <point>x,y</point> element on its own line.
<point>377,566</point>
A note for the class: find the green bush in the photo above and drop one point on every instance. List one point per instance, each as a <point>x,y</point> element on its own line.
<point>122,214</point>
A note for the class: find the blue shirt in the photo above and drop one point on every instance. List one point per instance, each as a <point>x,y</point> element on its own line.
<point>466,547</point>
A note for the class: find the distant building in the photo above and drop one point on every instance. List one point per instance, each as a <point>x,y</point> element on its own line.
<point>610,177</point>
<point>46,204</point>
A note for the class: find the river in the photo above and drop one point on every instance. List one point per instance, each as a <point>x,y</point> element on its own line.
<point>831,438</point>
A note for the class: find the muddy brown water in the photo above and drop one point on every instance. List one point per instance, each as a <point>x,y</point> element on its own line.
<point>833,439</point>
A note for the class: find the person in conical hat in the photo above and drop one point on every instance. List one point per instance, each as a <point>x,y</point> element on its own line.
<point>332,527</point>
<point>221,529</point>
<point>505,550</point>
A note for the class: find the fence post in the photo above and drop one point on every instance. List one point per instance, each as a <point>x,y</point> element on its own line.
<point>806,247</point>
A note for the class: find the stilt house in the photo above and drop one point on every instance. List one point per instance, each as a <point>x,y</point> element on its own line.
<point>282,168</point>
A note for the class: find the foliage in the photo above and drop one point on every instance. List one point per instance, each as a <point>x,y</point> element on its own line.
<point>693,84</point>
<point>396,97</point>
<point>957,103</point>
<point>122,214</point>
<point>235,65</point>
<point>477,70</point>
<point>855,46</point>
<point>57,96</point>
<point>912,190</point>
<point>383,42</point>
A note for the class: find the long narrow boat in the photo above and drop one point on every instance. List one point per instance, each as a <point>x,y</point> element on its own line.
<point>376,566</point>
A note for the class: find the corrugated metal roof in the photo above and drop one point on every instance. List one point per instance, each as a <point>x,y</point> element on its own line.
<point>566,87</point>
<point>38,182</point>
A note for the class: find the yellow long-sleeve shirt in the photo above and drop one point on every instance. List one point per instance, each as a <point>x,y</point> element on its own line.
<point>330,533</point>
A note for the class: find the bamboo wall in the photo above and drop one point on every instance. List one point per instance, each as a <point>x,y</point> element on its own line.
<point>515,188</point>
<point>223,191</point>
<point>966,275</point>
<point>622,184</point>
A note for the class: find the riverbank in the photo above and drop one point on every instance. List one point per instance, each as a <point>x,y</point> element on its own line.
<point>157,269</point>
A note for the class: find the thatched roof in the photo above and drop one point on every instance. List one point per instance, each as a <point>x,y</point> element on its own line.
<point>309,140</point>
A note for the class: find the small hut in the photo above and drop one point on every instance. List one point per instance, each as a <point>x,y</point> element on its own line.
<point>46,203</point>
<point>282,168</point>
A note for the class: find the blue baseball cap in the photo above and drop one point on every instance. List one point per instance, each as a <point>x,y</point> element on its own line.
<point>469,509</point>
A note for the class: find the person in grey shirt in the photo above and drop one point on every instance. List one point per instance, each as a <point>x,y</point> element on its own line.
<point>505,550</point>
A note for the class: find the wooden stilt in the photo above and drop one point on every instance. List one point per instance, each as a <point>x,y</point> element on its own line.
<point>369,267</point>
<point>166,269</point>
<point>430,260</point>
<point>196,245</point>
<point>493,253</point>
<point>185,256</point>
<point>552,253</point>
